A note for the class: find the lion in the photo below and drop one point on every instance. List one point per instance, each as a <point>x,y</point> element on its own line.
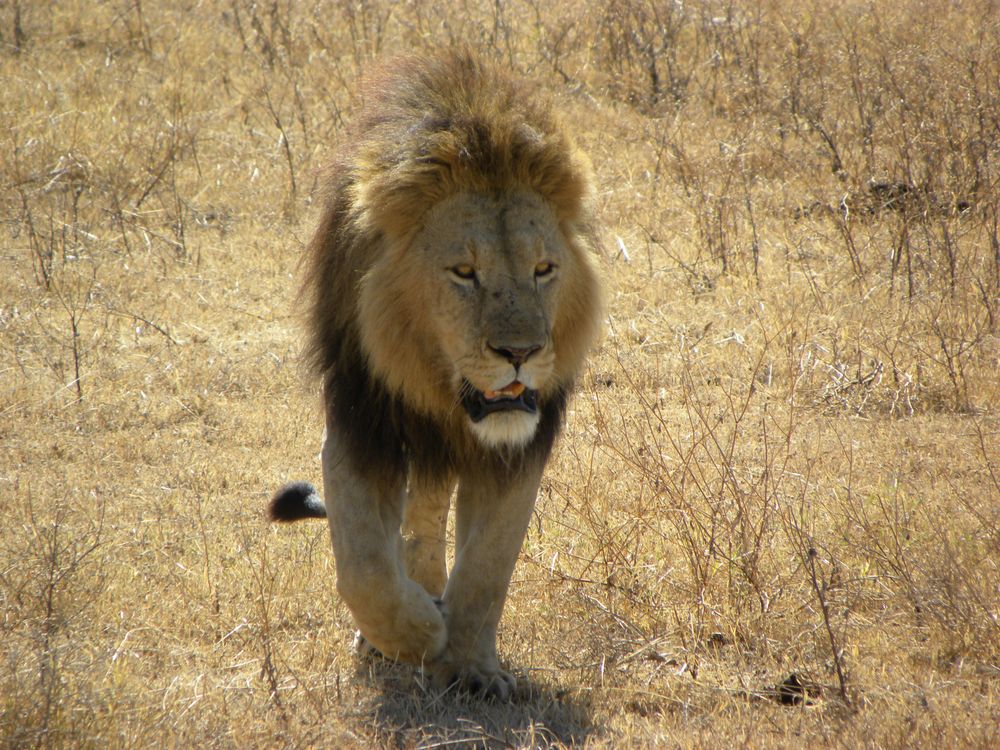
<point>452,292</point>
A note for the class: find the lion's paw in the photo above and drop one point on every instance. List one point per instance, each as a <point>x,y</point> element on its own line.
<point>488,681</point>
<point>411,629</point>
<point>366,650</point>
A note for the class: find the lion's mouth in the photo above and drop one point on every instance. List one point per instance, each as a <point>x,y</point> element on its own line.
<point>514,396</point>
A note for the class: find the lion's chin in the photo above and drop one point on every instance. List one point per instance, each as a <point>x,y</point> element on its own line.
<point>506,429</point>
<point>504,418</point>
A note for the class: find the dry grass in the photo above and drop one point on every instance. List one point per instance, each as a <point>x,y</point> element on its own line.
<point>783,460</point>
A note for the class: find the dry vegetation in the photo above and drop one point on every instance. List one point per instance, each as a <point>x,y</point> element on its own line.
<point>774,517</point>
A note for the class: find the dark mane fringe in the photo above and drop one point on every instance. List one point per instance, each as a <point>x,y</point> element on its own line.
<point>385,437</point>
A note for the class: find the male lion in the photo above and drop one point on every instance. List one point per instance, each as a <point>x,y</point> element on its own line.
<point>452,295</point>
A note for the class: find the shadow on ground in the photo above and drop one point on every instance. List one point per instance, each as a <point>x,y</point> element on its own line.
<point>408,713</point>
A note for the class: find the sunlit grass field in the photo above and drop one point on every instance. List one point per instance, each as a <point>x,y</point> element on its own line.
<point>773,518</point>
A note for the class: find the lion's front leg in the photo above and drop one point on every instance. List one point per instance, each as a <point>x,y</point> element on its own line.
<point>425,521</point>
<point>395,614</point>
<point>492,518</point>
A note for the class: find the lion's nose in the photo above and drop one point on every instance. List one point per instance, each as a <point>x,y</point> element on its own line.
<point>516,355</point>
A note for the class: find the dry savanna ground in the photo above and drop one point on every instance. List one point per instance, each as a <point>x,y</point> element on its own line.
<point>774,516</point>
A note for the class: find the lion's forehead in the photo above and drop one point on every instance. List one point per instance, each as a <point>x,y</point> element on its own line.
<point>517,227</point>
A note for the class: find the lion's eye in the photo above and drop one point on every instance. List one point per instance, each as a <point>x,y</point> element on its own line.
<point>544,269</point>
<point>464,271</point>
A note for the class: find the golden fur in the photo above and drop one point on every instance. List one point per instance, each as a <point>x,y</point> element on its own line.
<point>452,296</point>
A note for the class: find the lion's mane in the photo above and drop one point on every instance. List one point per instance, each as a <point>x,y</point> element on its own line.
<point>429,128</point>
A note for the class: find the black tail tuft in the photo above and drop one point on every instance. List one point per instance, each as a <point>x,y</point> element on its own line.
<point>295,502</point>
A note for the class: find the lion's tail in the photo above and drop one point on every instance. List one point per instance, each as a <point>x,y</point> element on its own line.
<point>295,502</point>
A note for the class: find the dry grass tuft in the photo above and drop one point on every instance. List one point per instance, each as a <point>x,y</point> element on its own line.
<point>775,512</point>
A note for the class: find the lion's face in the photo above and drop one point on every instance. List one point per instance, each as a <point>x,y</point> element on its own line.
<point>467,315</point>
<point>494,265</point>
